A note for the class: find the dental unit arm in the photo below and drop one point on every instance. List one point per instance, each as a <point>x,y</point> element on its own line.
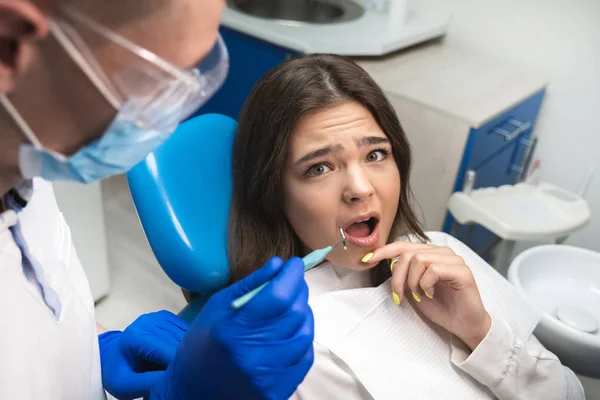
<point>310,260</point>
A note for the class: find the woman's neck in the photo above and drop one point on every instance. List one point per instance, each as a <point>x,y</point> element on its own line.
<point>352,279</point>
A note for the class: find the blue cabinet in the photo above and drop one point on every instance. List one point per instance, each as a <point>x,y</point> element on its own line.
<point>250,59</point>
<point>486,142</point>
<point>496,152</point>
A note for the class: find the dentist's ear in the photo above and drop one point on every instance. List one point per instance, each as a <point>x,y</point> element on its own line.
<point>22,22</point>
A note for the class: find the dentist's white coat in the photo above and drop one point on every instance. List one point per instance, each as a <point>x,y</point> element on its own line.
<point>43,357</point>
<point>509,368</point>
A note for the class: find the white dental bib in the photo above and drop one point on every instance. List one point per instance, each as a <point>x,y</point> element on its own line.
<point>392,350</point>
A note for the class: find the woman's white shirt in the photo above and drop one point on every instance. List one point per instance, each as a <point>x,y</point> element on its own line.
<point>508,367</point>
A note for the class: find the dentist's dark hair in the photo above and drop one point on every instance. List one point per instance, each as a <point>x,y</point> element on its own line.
<point>259,228</point>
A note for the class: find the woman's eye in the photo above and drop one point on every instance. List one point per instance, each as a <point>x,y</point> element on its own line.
<point>317,170</point>
<point>377,155</point>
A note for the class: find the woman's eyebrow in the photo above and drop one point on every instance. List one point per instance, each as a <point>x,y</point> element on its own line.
<point>338,148</point>
<point>371,140</point>
<point>333,148</point>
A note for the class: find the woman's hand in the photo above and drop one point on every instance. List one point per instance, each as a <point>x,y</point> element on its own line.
<point>442,286</point>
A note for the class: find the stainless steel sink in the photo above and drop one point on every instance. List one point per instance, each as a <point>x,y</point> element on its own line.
<point>300,11</point>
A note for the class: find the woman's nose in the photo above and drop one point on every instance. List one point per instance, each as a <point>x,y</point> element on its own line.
<point>358,187</point>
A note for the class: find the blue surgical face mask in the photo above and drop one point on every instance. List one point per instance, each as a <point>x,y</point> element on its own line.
<point>151,97</point>
<point>117,151</point>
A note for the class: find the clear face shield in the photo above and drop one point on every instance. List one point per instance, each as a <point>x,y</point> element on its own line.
<point>151,97</point>
<point>132,78</point>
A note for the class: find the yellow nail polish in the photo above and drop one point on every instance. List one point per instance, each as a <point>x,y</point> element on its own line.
<point>396,298</point>
<point>367,257</point>
<point>428,295</point>
<point>392,266</point>
<point>417,297</point>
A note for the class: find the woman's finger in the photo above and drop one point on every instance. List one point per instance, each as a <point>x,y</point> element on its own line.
<point>404,259</point>
<point>429,279</point>
<point>420,262</point>
<point>393,250</point>
<point>400,269</point>
<point>456,275</point>
<point>416,270</point>
<point>399,275</point>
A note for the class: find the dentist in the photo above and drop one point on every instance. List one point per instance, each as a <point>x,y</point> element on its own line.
<point>87,89</point>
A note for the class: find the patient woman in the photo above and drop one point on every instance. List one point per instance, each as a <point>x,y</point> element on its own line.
<point>318,146</point>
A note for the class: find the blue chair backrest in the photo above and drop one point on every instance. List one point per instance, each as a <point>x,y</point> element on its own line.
<point>182,193</point>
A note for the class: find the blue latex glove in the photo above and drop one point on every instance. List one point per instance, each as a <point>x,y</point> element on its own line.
<point>261,351</point>
<point>134,360</point>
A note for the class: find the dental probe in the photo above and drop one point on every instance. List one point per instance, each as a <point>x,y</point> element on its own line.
<point>310,260</point>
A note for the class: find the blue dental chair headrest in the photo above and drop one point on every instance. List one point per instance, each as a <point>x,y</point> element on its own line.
<point>182,193</point>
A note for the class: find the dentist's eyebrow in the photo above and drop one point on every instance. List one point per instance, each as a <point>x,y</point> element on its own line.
<point>371,140</point>
<point>334,148</point>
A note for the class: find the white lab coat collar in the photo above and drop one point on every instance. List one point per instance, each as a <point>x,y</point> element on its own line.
<point>25,189</point>
<point>8,218</point>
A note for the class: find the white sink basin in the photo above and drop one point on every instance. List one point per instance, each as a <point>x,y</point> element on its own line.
<point>563,282</point>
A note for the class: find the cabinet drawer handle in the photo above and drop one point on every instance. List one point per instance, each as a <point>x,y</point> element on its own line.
<point>518,169</point>
<point>528,143</point>
<point>520,127</point>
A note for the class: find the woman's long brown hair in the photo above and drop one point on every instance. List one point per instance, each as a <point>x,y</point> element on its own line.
<point>259,228</point>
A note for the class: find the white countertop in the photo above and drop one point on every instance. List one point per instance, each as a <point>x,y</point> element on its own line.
<point>469,86</point>
<point>365,36</point>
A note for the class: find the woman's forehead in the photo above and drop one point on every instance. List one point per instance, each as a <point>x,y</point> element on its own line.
<point>334,117</point>
<point>344,122</point>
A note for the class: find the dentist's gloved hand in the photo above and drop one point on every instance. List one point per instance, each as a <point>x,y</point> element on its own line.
<point>134,360</point>
<point>261,351</point>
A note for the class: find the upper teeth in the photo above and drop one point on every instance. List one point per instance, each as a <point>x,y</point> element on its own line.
<point>364,220</point>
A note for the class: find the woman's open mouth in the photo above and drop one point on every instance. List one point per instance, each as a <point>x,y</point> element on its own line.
<point>363,231</point>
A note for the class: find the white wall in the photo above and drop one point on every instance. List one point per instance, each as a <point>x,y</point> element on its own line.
<point>561,38</point>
